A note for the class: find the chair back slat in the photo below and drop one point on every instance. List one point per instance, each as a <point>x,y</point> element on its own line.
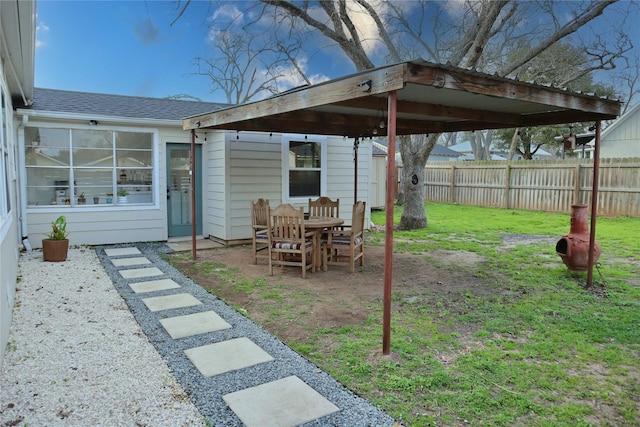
<point>324,206</point>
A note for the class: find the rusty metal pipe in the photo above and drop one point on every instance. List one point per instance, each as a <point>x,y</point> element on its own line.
<point>388,242</point>
<point>594,204</point>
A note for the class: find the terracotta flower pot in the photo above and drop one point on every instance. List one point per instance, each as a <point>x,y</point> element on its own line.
<point>55,250</point>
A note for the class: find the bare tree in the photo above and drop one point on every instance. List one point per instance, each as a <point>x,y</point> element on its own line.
<point>478,34</point>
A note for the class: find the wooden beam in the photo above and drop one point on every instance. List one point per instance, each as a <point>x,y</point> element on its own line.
<point>448,77</point>
<point>380,80</point>
<point>434,110</point>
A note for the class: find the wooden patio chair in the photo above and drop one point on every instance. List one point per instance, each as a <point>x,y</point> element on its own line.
<point>289,243</point>
<point>346,244</point>
<point>324,206</point>
<point>259,220</point>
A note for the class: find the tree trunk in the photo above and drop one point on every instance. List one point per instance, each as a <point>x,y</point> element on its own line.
<point>415,150</point>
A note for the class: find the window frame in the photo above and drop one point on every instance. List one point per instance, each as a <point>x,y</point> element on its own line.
<point>286,140</point>
<point>6,132</point>
<point>155,162</point>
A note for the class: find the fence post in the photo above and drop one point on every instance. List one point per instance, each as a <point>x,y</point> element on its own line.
<point>507,182</point>
<point>576,191</point>
<point>452,184</point>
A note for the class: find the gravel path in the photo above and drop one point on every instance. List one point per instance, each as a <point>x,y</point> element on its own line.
<point>77,357</point>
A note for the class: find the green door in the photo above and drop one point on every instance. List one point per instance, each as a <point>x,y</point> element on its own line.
<point>179,189</point>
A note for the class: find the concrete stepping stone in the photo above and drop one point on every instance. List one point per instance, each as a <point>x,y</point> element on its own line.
<point>226,356</point>
<point>136,273</point>
<point>153,285</point>
<point>194,324</point>
<point>283,403</point>
<point>122,251</point>
<point>126,262</point>
<point>169,302</point>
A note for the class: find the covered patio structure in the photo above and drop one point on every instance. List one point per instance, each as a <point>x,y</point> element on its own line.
<point>415,97</point>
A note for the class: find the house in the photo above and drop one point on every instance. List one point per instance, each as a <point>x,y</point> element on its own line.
<point>131,159</point>
<point>621,139</point>
<point>17,54</point>
<point>98,144</point>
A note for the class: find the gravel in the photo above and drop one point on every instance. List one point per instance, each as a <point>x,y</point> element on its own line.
<point>80,354</point>
<point>77,357</point>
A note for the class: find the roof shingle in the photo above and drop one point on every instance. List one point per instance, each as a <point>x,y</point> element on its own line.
<point>62,101</point>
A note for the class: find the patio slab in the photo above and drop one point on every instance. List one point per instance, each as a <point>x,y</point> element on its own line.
<point>226,356</point>
<point>169,302</point>
<point>194,324</point>
<point>153,285</point>
<point>126,262</point>
<point>122,251</point>
<point>136,273</point>
<point>283,403</point>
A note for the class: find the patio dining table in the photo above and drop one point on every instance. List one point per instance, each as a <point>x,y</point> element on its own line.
<point>318,224</point>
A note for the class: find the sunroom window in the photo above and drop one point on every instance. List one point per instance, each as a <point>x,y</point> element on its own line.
<point>305,167</point>
<point>80,167</point>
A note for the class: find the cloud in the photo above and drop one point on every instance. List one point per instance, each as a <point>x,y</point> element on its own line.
<point>227,12</point>
<point>146,31</point>
<point>41,30</point>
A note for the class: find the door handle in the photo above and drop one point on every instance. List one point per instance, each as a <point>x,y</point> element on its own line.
<point>168,192</point>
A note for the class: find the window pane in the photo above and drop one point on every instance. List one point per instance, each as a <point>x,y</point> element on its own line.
<point>134,158</point>
<point>93,183</point>
<point>92,139</point>
<point>46,147</point>
<point>134,140</point>
<point>304,183</point>
<point>304,154</point>
<point>46,186</point>
<point>93,157</point>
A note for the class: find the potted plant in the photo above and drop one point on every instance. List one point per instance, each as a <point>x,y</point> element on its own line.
<point>109,198</point>
<point>96,200</point>
<point>82,200</point>
<point>56,245</point>
<point>122,195</point>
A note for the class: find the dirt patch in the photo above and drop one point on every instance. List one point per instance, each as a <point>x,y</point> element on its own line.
<point>336,298</point>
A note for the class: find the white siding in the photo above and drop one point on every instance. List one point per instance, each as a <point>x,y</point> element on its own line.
<point>215,182</point>
<point>248,165</point>
<point>622,139</point>
<point>9,227</point>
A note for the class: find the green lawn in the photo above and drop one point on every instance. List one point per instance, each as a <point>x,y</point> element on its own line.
<point>536,349</point>
<point>547,353</point>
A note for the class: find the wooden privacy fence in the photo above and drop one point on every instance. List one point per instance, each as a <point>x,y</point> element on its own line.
<point>549,185</point>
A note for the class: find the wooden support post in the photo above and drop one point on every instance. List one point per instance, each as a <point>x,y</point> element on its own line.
<point>388,243</point>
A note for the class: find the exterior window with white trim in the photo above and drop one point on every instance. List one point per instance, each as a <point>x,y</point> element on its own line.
<point>85,167</point>
<point>304,164</point>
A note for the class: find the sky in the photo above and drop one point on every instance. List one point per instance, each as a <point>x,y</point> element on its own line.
<point>126,48</point>
<point>131,48</point>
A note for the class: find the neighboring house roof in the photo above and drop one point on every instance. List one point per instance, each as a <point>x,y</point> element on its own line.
<point>132,107</point>
<point>439,150</point>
